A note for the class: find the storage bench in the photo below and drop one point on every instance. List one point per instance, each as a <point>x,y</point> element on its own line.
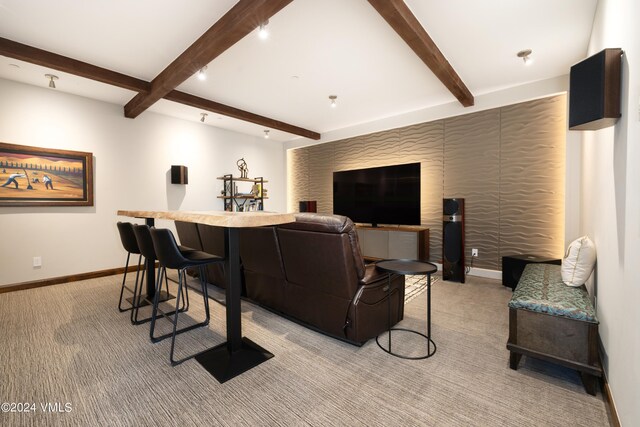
<point>552,321</point>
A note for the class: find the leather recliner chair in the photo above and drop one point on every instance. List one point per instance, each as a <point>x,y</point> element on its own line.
<point>312,271</point>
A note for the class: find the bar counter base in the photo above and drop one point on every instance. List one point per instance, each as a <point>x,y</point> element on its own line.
<point>225,365</point>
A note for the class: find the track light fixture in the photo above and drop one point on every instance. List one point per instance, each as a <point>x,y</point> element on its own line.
<point>263,32</point>
<point>202,75</point>
<point>333,99</point>
<point>266,134</point>
<point>52,79</point>
<point>525,55</point>
<point>204,116</point>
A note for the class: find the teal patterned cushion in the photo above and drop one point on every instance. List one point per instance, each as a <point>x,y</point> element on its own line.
<point>541,289</point>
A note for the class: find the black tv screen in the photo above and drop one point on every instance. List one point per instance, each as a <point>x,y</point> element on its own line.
<point>383,195</point>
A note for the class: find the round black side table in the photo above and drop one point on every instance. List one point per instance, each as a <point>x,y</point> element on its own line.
<point>404,267</point>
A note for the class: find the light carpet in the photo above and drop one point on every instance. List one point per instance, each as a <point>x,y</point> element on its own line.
<point>68,344</point>
<point>416,284</point>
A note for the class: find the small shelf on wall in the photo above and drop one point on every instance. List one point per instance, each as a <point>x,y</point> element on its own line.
<point>242,202</point>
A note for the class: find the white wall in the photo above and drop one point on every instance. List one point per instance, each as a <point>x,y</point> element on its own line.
<point>611,210</point>
<point>132,159</point>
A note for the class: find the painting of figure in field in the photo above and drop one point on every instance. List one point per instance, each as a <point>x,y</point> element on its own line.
<point>32,176</point>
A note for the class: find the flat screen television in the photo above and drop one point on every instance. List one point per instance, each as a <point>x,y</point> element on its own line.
<point>382,195</point>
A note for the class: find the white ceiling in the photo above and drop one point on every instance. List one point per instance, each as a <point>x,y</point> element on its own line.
<point>316,48</point>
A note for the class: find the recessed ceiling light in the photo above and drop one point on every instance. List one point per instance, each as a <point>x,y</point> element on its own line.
<point>333,99</point>
<point>14,66</point>
<point>526,56</point>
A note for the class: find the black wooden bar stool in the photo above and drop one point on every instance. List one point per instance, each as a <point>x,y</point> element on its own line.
<point>130,244</point>
<point>145,245</point>
<point>170,256</point>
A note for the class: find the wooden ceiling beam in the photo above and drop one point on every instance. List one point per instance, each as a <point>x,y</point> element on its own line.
<point>403,21</point>
<point>236,113</point>
<point>239,21</point>
<point>33,55</point>
<point>30,54</point>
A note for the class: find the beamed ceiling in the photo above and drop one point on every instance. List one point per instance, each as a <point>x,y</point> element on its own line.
<point>380,57</point>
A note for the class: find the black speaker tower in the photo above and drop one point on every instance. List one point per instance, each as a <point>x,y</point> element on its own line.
<point>453,240</point>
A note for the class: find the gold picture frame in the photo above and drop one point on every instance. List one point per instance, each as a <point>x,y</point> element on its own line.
<point>35,176</point>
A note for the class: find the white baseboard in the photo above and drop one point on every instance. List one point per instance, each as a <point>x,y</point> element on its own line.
<point>483,272</point>
<point>480,272</point>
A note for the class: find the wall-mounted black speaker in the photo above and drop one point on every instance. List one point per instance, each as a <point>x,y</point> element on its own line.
<point>179,175</point>
<point>308,206</point>
<point>453,240</point>
<point>594,91</point>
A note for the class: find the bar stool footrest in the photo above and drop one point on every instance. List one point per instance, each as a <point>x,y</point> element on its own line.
<point>144,299</point>
<point>179,331</point>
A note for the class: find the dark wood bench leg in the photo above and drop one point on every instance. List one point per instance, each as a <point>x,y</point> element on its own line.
<point>590,383</point>
<point>514,359</point>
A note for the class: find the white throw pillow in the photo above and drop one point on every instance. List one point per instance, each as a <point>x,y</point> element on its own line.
<point>578,262</point>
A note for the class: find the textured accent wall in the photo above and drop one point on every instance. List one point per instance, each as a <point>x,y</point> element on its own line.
<point>472,171</point>
<point>508,163</point>
<point>532,171</point>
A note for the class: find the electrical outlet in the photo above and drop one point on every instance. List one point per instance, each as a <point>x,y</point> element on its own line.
<point>37,261</point>
<point>474,252</point>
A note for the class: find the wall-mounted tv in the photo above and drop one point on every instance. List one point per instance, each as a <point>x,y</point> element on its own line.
<point>382,195</point>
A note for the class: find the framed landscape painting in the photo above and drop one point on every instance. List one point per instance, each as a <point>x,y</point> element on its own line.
<point>33,176</point>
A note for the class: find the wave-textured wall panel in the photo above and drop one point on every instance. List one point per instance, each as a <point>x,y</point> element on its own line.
<point>532,177</point>
<point>367,151</point>
<point>472,171</point>
<point>297,178</point>
<point>320,166</point>
<point>348,153</point>
<point>508,163</point>
<point>424,143</point>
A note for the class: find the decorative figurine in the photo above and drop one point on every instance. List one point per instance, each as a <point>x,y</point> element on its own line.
<point>242,166</point>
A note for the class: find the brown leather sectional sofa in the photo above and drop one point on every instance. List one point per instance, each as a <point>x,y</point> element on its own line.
<point>311,271</point>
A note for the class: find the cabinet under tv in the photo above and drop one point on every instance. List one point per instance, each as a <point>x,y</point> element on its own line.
<point>394,242</point>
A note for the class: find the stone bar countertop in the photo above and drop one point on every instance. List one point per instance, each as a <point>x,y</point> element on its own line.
<point>217,218</point>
